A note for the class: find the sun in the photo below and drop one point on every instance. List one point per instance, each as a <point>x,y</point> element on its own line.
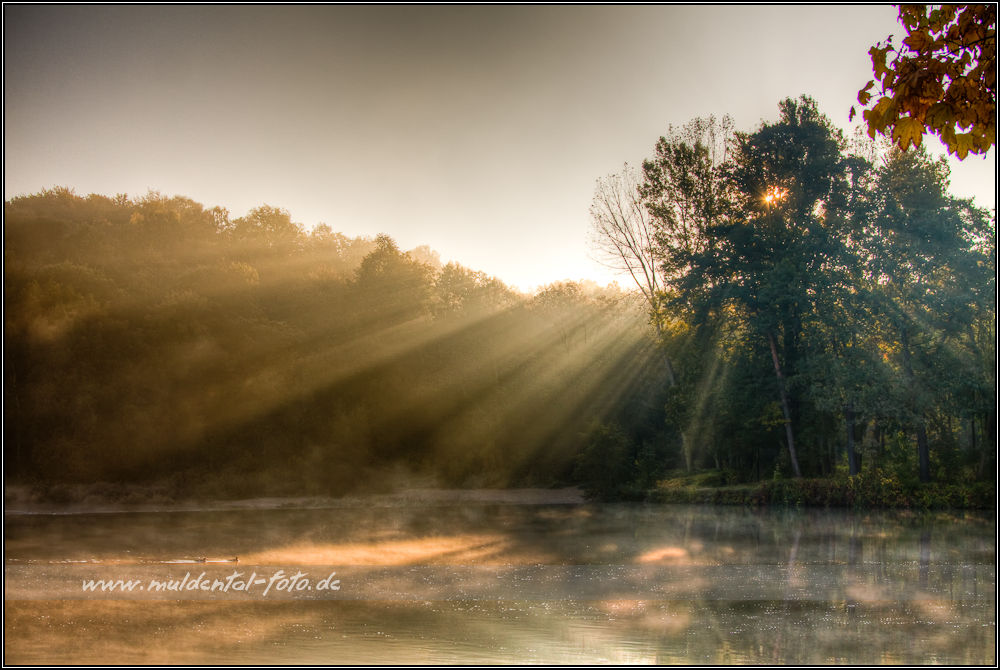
<point>775,194</point>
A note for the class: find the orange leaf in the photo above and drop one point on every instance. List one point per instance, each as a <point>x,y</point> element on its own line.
<point>917,41</point>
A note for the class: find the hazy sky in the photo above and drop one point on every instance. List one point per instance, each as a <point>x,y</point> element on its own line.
<point>479,131</point>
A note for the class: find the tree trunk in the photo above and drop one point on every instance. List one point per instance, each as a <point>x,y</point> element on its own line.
<point>685,443</point>
<point>852,461</point>
<point>923,453</point>
<point>784,406</point>
<point>989,425</point>
<point>672,379</point>
<point>12,412</point>
<point>981,467</point>
<point>670,368</point>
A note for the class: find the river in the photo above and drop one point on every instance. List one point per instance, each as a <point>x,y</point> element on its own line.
<point>456,578</point>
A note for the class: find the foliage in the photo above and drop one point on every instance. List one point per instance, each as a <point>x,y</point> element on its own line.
<point>159,344</point>
<point>803,298</point>
<point>942,79</point>
<point>871,489</point>
<point>817,298</point>
<point>604,465</point>
<point>622,232</point>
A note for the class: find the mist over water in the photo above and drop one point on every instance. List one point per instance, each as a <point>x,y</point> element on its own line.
<point>428,580</point>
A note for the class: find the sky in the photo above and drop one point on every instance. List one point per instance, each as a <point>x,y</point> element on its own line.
<point>480,131</point>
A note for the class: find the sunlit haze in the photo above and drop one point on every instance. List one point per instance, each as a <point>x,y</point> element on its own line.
<point>469,335</point>
<point>478,131</point>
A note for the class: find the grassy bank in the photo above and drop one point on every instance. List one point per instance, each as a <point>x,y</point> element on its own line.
<point>866,490</point>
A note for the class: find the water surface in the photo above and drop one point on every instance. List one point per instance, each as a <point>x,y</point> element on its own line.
<point>460,580</point>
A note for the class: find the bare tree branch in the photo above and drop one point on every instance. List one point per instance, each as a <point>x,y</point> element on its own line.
<point>623,232</point>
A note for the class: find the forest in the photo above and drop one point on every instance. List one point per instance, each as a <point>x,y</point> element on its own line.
<point>156,342</point>
<point>804,306</point>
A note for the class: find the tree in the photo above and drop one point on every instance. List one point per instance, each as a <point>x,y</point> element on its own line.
<point>459,290</point>
<point>396,287</point>
<point>929,278</point>
<point>685,196</point>
<point>623,234</point>
<point>683,192</point>
<point>765,260</point>
<point>645,226</point>
<point>267,226</point>
<point>941,80</point>
<point>424,254</point>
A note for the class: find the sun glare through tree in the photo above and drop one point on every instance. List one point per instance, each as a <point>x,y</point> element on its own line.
<point>473,335</point>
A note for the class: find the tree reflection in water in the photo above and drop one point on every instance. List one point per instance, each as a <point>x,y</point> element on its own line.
<point>520,583</point>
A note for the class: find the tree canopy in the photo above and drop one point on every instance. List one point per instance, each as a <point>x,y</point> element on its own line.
<point>824,305</point>
<point>155,342</point>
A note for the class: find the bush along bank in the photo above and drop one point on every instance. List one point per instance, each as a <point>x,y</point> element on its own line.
<point>863,491</point>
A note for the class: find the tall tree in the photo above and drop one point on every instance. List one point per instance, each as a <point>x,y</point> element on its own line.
<point>623,233</point>
<point>765,259</point>
<point>923,260</point>
<point>684,194</point>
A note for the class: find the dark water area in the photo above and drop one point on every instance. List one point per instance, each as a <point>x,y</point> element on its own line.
<point>476,581</point>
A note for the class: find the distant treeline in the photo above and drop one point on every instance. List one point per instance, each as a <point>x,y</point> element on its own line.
<point>152,341</point>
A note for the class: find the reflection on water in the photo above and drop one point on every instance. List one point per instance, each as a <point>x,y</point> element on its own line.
<point>354,632</point>
<point>465,583</point>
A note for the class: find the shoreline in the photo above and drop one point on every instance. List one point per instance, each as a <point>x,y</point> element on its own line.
<point>869,491</point>
<point>860,492</point>
<point>19,501</point>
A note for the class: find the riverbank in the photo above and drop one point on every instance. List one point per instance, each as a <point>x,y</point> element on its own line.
<point>866,491</point>
<point>104,498</point>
